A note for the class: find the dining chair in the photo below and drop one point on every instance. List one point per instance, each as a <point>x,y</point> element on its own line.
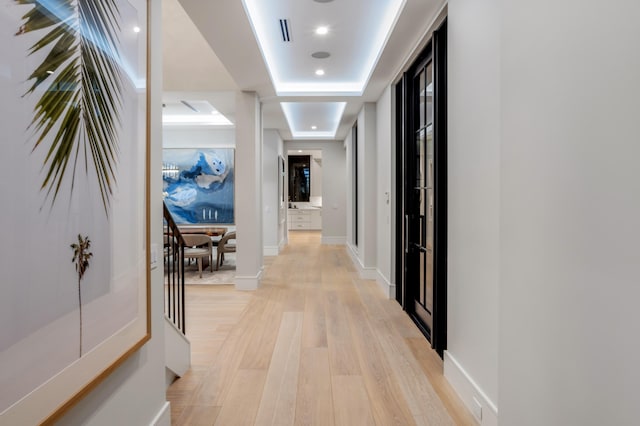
<point>224,246</point>
<point>198,246</point>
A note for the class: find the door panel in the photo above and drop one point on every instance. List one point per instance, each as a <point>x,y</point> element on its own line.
<point>423,177</point>
<point>421,203</point>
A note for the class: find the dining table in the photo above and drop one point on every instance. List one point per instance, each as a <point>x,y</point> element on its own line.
<point>212,231</point>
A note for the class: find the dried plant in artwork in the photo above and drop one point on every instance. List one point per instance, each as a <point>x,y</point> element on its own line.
<point>81,256</point>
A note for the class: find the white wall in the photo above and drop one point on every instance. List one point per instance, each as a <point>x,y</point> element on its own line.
<point>364,254</point>
<point>349,172</point>
<point>334,194</point>
<point>474,200</point>
<point>315,169</point>
<point>272,147</point>
<point>134,394</point>
<point>198,137</point>
<point>570,259</point>
<point>367,190</point>
<point>384,141</point>
<point>282,215</point>
<point>543,207</point>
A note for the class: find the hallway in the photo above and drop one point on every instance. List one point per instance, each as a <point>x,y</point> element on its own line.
<point>313,345</point>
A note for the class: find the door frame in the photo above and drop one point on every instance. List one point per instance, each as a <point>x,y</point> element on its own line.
<point>437,49</point>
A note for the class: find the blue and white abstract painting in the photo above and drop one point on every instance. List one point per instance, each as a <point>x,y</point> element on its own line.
<point>198,185</point>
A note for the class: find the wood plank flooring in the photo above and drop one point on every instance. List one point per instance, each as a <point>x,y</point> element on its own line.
<point>314,345</point>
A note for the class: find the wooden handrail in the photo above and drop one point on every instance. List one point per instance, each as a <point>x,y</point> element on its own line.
<point>172,224</point>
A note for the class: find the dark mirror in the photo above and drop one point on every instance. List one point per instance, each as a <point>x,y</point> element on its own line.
<point>299,177</point>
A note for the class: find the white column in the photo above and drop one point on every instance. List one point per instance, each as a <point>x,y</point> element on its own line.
<point>248,209</point>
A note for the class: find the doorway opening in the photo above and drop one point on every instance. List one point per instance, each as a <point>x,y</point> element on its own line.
<point>304,189</point>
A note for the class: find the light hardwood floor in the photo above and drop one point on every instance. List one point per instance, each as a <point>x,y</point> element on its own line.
<point>313,345</point>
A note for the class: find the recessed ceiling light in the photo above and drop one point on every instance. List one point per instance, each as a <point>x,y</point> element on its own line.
<point>372,38</point>
<point>297,114</point>
<point>322,30</point>
<point>314,127</point>
<point>319,72</point>
<point>136,29</point>
<point>192,113</point>
<point>299,150</point>
<point>49,72</point>
<point>320,55</point>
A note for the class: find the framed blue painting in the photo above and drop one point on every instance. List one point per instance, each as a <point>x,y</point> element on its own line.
<point>198,185</point>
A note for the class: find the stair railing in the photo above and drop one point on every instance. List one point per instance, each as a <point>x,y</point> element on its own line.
<point>174,296</point>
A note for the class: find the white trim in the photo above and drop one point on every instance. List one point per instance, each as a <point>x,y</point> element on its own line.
<point>468,390</point>
<point>387,288</point>
<point>353,254</point>
<point>248,282</point>
<point>163,418</point>
<point>270,251</point>
<point>177,349</point>
<point>175,327</point>
<point>334,240</point>
<point>282,244</point>
<point>422,41</point>
<point>366,273</point>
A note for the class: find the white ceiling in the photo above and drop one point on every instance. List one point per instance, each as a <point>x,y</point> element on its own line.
<point>204,39</point>
<point>354,39</point>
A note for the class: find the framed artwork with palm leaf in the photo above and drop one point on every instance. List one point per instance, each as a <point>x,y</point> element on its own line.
<point>74,176</point>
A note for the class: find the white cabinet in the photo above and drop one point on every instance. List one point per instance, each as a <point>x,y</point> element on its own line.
<point>315,221</point>
<point>305,219</point>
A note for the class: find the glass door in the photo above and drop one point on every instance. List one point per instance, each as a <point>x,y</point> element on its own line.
<point>422,145</point>
<point>421,197</point>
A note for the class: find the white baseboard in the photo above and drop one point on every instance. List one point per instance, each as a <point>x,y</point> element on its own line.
<point>163,418</point>
<point>353,254</point>
<point>468,391</point>
<point>352,251</point>
<point>387,288</point>
<point>270,250</point>
<point>334,240</point>
<point>248,282</point>
<point>366,273</point>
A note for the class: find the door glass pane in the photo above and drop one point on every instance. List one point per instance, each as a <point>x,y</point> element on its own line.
<point>429,157</point>
<point>420,160</point>
<point>423,222</point>
<point>421,99</point>
<point>429,216</point>
<point>428,301</point>
<point>428,93</point>
<point>419,220</point>
<point>421,296</point>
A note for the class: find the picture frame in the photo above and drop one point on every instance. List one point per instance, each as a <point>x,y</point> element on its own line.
<point>76,167</point>
<point>199,185</point>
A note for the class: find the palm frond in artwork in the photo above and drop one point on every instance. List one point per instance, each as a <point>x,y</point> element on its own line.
<point>78,113</point>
